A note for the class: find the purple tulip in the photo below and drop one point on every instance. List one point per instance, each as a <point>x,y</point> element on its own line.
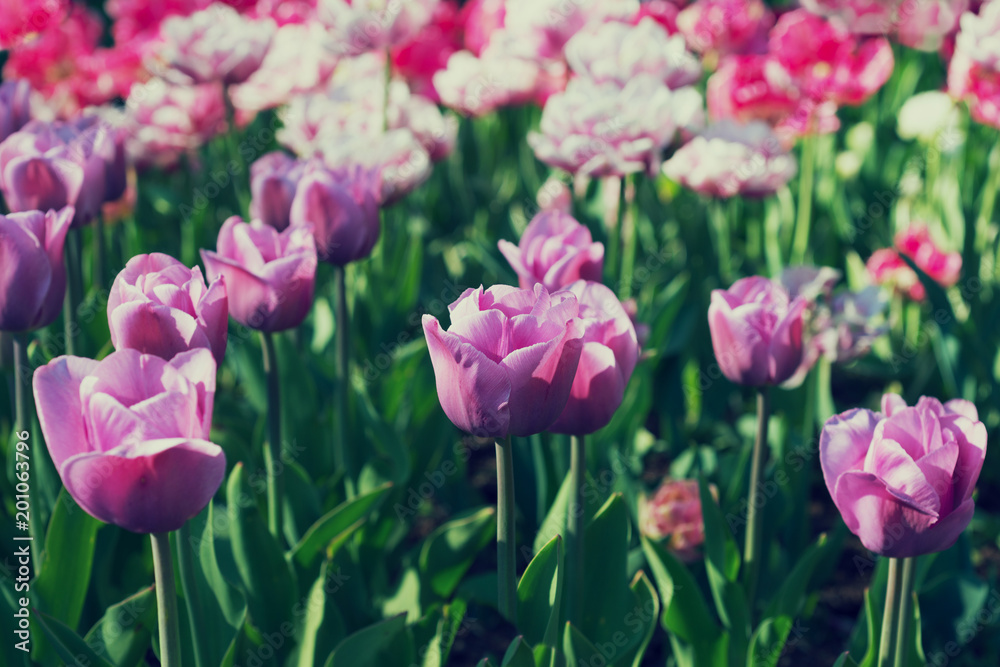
<point>270,276</point>
<point>102,132</point>
<point>757,331</point>
<point>903,478</point>
<point>15,111</point>
<point>506,364</point>
<point>49,165</point>
<point>610,352</point>
<point>341,206</point>
<point>129,435</point>
<point>32,272</point>
<point>554,250</point>
<point>159,306</point>
<point>273,180</point>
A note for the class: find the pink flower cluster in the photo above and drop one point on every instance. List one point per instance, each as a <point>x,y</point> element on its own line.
<point>974,73</point>
<point>925,24</point>
<point>887,267</point>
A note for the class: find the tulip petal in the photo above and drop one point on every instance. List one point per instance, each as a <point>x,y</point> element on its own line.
<point>739,347</point>
<point>485,331</point>
<point>147,487</point>
<point>943,534</point>
<point>903,478</point>
<point>971,439</point>
<point>199,368</point>
<point>213,309</point>
<point>130,376</point>
<point>884,523</point>
<point>844,443</point>
<point>250,297</point>
<point>963,407</point>
<point>25,275</point>
<point>473,390</point>
<point>512,254</point>
<point>892,403</point>
<point>60,410</point>
<point>151,328</point>
<point>938,467</point>
<point>597,392</point>
<point>785,350</point>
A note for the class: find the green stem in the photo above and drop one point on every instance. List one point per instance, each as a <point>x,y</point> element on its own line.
<point>719,231</point>
<point>166,601</point>
<point>185,564</point>
<point>629,222</point>
<point>752,545</point>
<point>890,616</point>
<point>574,530</point>
<point>341,451</point>
<point>989,200</point>
<point>233,148</point>
<point>800,244</point>
<point>905,613</point>
<point>272,453</point>
<point>74,287</point>
<point>507,576</point>
<point>612,185</point>
<point>22,382</point>
<point>99,253</point>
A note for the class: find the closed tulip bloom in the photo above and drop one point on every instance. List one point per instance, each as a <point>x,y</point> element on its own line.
<point>270,276</point>
<point>505,365</point>
<point>554,250</point>
<point>15,110</point>
<point>341,206</point>
<point>903,478</point>
<point>159,306</point>
<point>610,352</point>
<point>129,435</point>
<point>757,331</point>
<point>32,272</point>
<point>273,180</point>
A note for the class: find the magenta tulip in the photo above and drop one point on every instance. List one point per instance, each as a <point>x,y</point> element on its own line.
<point>159,306</point>
<point>129,435</point>
<point>757,331</point>
<point>554,250</point>
<point>341,206</point>
<point>273,180</point>
<point>15,110</point>
<point>32,272</point>
<point>610,352</point>
<point>903,478</point>
<point>506,364</point>
<point>270,276</point>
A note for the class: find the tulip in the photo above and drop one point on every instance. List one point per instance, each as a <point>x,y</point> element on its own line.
<point>480,19</point>
<point>342,207</point>
<point>916,243</point>
<point>214,44</point>
<point>22,19</point>
<point>269,275</point>
<point>494,384</point>
<point>129,435</point>
<point>974,72</point>
<point>33,279</point>
<point>556,251</point>
<point>729,159</point>
<point>418,59</point>
<point>886,267</point>
<point>725,26</point>
<point>159,306</point>
<point>903,478</point>
<point>15,111</point>
<point>360,26</point>
<point>273,180</point>
<point>757,331</point>
<point>674,512</point>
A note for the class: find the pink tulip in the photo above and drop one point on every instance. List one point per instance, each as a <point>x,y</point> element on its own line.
<point>506,364</point>
<point>757,331</point>
<point>610,352</point>
<point>273,180</point>
<point>726,26</point>
<point>21,19</point>
<point>136,18</point>
<point>361,26</point>
<point>215,44</point>
<point>926,25</point>
<point>974,73</point>
<point>674,512</point>
<point>428,51</point>
<point>903,478</point>
<point>159,306</point>
<point>730,159</point>
<point>480,19</point>
<point>342,208</point>
<point>476,86</point>
<point>33,277</point>
<point>886,267</point>
<point>556,251</point>
<point>916,243</point>
<point>15,111</point>
<point>129,435</point>
<point>862,17</point>
<point>270,276</point>
<point>663,12</point>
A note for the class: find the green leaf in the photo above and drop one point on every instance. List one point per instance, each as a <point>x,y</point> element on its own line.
<point>344,518</point>
<point>792,594</point>
<point>124,632</point>
<point>845,661</point>
<point>449,626</point>
<point>684,611</point>
<point>539,595</point>
<point>485,662</point>
<point>546,656</point>
<point>518,654</point>
<point>324,625</point>
<point>768,642</point>
<point>363,648</point>
<point>555,521</point>
<point>67,644</point>
<point>268,581</point>
<point>449,551</point>
<point>874,626</point>
<point>578,649</point>
<point>642,618</point>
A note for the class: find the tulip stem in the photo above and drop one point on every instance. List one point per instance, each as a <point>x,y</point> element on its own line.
<point>341,454</point>
<point>800,243</point>
<point>611,193</point>
<point>752,544</point>
<point>185,564</point>
<point>233,149</point>
<point>890,616</point>
<point>99,253</point>
<point>74,283</point>
<point>507,576</point>
<point>272,453</point>
<point>166,601</point>
<point>905,612</point>
<point>989,200</point>
<point>574,529</point>
<point>22,382</point>
<point>629,221</point>
<point>720,233</point>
